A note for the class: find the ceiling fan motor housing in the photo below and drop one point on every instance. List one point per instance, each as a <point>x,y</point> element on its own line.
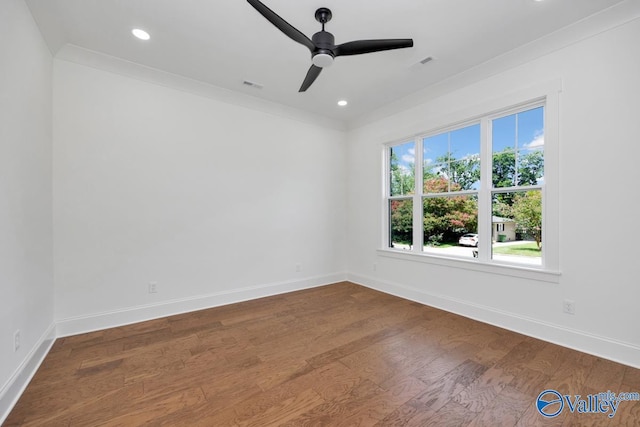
<point>323,53</point>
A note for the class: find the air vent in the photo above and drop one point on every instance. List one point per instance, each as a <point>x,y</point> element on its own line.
<point>427,59</point>
<point>252,84</point>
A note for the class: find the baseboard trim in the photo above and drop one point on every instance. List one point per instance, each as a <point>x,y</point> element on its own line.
<point>15,386</point>
<point>111,319</point>
<point>606,348</point>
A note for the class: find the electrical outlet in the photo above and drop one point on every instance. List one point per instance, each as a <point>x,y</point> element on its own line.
<point>375,266</point>
<point>153,287</point>
<point>298,268</point>
<point>569,306</point>
<point>16,340</point>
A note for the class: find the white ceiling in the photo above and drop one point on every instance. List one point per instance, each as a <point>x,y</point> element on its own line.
<point>224,42</point>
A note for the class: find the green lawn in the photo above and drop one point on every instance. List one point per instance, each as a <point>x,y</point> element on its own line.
<point>525,249</point>
<point>444,245</point>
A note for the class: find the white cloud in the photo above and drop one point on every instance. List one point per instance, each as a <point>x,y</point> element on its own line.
<point>409,158</point>
<point>473,156</point>
<point>405,170</point>
<point>537,143</point>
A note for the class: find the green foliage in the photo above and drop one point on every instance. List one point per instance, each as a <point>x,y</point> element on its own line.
<point>504,168</point>
<point>464,173</point>
<point>402,180</point>
<point>529,171</point>
<point>502,205</point>
<point>435,239</point>
<point>527,212</point>
<point>530,168</point>
<point>525,208</point>
<point>460,174</point>
<point>448,217</point>
<point>401,221</point>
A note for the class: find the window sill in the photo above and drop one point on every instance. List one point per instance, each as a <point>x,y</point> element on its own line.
<point>475,265</point>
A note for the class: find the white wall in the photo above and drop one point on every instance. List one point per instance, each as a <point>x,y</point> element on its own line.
<point>599,152</point>
<point>215,202</point>
<point>26,272</point>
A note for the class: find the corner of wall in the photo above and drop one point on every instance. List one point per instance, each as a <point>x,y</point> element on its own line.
<point>15,386</point>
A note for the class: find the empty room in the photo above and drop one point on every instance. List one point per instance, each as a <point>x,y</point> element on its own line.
<point>263,213</point>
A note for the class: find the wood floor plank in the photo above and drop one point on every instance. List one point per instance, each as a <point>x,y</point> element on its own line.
<point>628,413</point>
<point>285,410</point>
<point>506,409</point>
<point>144,410</point>
<point>531,418</point>
<point>351,408</point>
<point>571,376</point>
<point>451,414</point>
<point>530,383</point>
<point>605,375</point>
<point>337,355</point>
<point>484,390</point>
<point>440,391</point>
<point>631,379</point>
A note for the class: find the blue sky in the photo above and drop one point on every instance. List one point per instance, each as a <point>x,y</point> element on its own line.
<point>528,134</point>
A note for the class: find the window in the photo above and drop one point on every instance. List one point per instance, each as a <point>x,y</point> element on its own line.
<point>517,176</point>
<point>401,188</point>
<point>450,184</point>
<point>474,191</point>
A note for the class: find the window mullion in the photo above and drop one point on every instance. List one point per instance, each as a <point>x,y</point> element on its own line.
<point>484,194</point>
<point>418,235</point>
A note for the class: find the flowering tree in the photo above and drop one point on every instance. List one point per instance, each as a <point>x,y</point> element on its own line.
<point>446,217</point>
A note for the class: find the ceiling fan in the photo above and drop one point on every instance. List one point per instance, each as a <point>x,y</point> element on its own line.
<point>322,44</point>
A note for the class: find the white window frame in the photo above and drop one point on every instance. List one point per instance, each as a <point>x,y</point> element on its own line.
<point>547,95</point>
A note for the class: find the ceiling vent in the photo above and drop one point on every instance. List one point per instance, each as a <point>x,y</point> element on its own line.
<point>252,84</point>
<point>426,60</point>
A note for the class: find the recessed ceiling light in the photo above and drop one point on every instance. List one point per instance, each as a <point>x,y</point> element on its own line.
<point>342,103</point>
<point>141,34</point>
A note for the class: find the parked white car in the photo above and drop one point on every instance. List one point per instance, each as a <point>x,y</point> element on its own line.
<point>469,239</point>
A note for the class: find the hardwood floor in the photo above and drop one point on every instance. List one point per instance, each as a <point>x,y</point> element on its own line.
<point>338,355</point>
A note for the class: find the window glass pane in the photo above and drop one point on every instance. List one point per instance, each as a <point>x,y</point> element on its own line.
<point>452,160</point>
<point>401,223</point>
<point>518,149</point>
<point>436,149</point>
<point>465,157</point>
<point>402,169</point>
<point>465,174</point>
<point>517,227</point>
<point>446,220</point>
<point>531,147</point>
<point>530,126</point>
<point>503,133</point>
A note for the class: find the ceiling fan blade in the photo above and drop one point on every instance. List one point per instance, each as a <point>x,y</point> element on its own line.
<point>282,25</point>
<point>368,46</point>
<point>311,77</point>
